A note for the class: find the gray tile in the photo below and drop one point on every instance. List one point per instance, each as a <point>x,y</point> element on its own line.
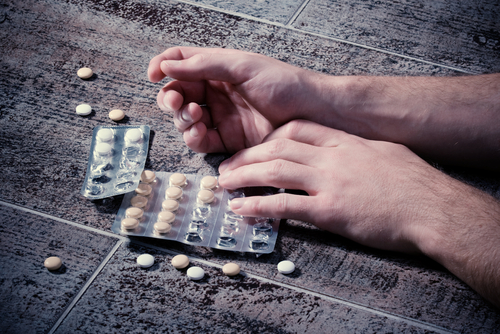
<point>31,297</point>
<point>162,299</point>
<point>456,33</point>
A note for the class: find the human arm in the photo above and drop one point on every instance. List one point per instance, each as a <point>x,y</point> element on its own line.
<point>376,193</point>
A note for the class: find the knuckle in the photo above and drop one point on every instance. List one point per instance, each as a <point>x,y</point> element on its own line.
<point>276,169</point>
<point>280,205</point>
<point>275,147</point>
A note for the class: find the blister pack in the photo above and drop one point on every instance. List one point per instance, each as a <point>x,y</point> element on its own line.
<point>194,210</point>
<point>116,160</point>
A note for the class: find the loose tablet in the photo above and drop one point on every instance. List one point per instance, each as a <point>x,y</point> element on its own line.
<point>286,267</point>
<point>231,269</point>
<point>166,216</point>
<point>116,115</point>
<point>208,182</point>
<point>83,109</point>
<point>148,176</point>
<point>162,227</point>
<point>145,260</point>
<point>195,273</point>
<point>178,179</point>
<point>173,193</point>
<point>134,212</point>
<point>180,261</point>
<point>170,205</point>
<point>53,263</point>
<point>138,201</point>
<point>143,189</point>
<point>85,73</point>
<point>206,196</point>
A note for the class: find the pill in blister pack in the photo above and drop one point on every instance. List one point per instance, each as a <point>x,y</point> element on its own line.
<point>194,210</point>
<point>116,160</point>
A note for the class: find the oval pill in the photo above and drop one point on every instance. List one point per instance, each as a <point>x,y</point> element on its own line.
<point>162,227</point>
<point>195,273</point>
<point>116,115</point>
<point>178,179</point>
<point>52,263</point>
<point>166,216</point>
<point>143,189</point>
<point>130,223</point>
<point>208,182</point>
<point>139,201</point>
<point>148,176</point>
<point>180,261</point>
<point>83,109</point>
<point>145,260</point>
<point>170,205</point>
<point>231,269</point>
<point>133,135</point>
<point>173,193</point>
<point>206,196</point>
<point>105,135</point>
<point>286,267</point>
<point>85,73</point>
<point>134,212</point>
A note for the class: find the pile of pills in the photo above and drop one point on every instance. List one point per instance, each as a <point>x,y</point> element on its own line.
<point>192,209</point>
<point>116,160</point>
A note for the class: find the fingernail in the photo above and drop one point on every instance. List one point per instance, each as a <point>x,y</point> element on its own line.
<point>193,132</point>
<point>166,103</point>
<point>186,117</point>
<point>237,203</point>
<point>171,63</point>
<point>223,165</point>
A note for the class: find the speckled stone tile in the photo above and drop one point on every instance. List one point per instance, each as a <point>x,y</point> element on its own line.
<point>464,34</point>
<point>126,298</point>
<point>31,297</point>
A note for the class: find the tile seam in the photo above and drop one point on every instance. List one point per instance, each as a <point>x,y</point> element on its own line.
<point>82,291</point>
<point>330,38</point>
<point>297,13</point>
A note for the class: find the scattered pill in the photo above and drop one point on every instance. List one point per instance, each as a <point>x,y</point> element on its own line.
<point>83,109</point>
<point>195,273</point>
<point>178,179</point>
<point>139,201</point>
<point>173,193</point>
<point>148,176</point>
<point>170,205</point>
<point>133,135</point>
<point>143,189</point>
<point>105,135</point>
<point>53,263</point>
<point>206,196</point>
<point>130,223</point>
<point>208,182</point>
<point>103,148</point>
<point>166,216</point>
<point>162,227</point>
<point>180,261</point>
<point>145,260</point>
<point>134,212</point>
<point>116,115</point>
<point>231,269</point>
<point>84,73</point>
<point>286,267</point>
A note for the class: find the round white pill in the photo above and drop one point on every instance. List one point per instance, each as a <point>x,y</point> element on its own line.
<point>116,115</point>
<point>83,109</point>
<point>286,267</point>
<point>85,73</point>
<point>133,135</point>
<point>195,273</point>
<point>145,260</point>
<point>105,135</point>
<point>103,148</point>
<point>53,263</point>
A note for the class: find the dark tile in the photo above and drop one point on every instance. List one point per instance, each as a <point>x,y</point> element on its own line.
<point>464,34</point>
<point>126,298</point>
<point>32,298</point>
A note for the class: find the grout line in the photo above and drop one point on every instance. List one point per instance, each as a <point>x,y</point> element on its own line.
<point>297,13</point>
<point>335,39</point>
<point>86,286</point>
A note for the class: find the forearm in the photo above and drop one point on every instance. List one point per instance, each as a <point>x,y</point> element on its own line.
<point>451,120</point>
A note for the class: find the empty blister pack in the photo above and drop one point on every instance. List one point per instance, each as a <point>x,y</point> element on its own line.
<point>194,210</point>
<point>116,160</point>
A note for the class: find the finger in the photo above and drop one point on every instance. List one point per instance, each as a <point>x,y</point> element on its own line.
<point>309,133</point>
<point>280,148</point>
<point>275,173</point>
<point>155,73</point>
<point>176,93</point>
<point>203,140</point>
<point>278,206</point>
<point>190,114</point>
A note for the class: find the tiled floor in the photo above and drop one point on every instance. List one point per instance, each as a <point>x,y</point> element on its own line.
<point>338,286</point>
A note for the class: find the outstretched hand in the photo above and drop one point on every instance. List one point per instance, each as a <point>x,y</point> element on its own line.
<point>228,100</point>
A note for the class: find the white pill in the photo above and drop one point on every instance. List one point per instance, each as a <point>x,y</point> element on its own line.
<point>85,73</point>
<point>105,135</point>
<point>286,267</point>
<point>83,109</point>
<point>103,149</point>
<point>133,135</point>
<point>145,260</point>
<point>195,273</point>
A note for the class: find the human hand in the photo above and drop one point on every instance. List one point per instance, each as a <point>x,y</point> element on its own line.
<point>226,100</point>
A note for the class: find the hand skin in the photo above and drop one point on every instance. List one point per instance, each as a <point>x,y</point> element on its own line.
<point>376,193</point>
<point>245,96</point>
